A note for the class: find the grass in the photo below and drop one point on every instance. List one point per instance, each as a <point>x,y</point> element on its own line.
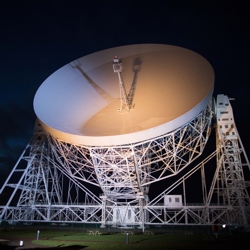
<point>114,242</point>
<point>81,240</point>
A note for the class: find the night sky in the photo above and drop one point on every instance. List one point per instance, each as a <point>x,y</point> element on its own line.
<point>39,37</point>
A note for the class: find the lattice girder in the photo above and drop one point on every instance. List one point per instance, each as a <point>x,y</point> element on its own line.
<point>124,171</point>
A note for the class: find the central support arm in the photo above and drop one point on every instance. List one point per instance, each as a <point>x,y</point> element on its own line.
<point>117,66</point>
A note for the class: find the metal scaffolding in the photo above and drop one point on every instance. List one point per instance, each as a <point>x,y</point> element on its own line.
<point>53,179</point>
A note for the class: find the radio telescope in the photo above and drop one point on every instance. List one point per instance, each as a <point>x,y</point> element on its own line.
<point>120,120</point>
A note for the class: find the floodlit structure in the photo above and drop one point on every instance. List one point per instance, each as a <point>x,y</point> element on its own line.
<point>109,129</point>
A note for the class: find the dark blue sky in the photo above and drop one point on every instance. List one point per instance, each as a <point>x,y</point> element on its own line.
<point>38,37</point>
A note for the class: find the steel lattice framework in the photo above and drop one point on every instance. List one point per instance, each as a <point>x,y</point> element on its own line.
<point>52,179</point>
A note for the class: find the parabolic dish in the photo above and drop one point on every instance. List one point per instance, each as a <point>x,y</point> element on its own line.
<point>169,86</point>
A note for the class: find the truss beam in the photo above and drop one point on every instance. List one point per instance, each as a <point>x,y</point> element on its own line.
<point>55,178</point>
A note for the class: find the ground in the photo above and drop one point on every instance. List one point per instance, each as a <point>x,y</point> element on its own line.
<point>195,238</point>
